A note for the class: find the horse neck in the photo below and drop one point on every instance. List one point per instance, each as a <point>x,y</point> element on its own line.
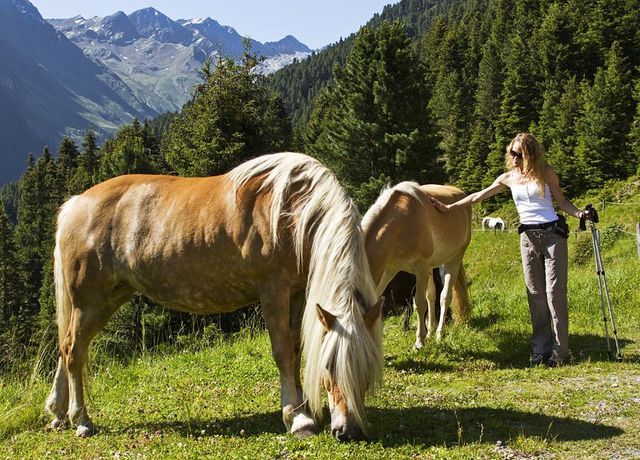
<point>378,240</point>
<point>338,267</point>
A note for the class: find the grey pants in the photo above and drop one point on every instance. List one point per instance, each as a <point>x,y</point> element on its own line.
<point>545,265</point>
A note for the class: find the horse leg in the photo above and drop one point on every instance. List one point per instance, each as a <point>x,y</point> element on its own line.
<point>84,324</point>
<point>386,278</point>
<point>58,400</point>
<point>280,316</point>
<point>431,304</point>
<point>450,274</point>
<point>297,304</point>
<point>420,306</point>
<point>75,351</point>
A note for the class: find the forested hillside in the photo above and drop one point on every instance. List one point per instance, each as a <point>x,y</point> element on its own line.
<point>233,116</point>
<point>566,70</point>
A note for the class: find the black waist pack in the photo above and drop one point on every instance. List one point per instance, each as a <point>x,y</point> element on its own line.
<point>562,227</point>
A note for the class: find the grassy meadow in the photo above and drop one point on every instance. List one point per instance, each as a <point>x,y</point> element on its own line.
<point>470,396</point>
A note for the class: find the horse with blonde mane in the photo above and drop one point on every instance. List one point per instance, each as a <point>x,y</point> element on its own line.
<point>278,229</point>
<point>404,232</point>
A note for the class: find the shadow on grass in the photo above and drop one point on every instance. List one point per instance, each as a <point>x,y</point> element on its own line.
<point>250,425</point>
<point>417,365</point>
<point>513,346</point>
<point>512,352</point>
<point>430,427</point>
<point>421,425</point>
<point>588,347</point>
<point>513,349</point>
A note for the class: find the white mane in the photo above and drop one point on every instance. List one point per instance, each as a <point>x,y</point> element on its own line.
<point>410,188</point>
<point>339,277</point>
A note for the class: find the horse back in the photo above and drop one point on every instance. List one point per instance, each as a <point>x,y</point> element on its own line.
<point>453,227</point>
<point>408,228</point>
<point>189,243</point>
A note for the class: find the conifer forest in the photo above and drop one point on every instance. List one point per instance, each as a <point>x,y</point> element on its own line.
<point>428,90</point>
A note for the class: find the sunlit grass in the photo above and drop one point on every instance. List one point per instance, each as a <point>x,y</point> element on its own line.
<point>470,396</point>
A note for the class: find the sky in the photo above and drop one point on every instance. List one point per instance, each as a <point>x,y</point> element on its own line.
<point>316,23</point>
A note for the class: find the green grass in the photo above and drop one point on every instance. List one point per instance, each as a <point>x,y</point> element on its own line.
<point>470,396</point>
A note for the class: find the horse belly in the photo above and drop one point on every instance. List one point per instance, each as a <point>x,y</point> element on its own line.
<point>196,286</point>
<point>202,294</point>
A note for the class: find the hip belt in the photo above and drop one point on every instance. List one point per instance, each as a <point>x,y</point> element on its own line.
<point>545,226</point>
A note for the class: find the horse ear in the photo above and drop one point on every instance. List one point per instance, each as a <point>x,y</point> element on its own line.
<point>371,316</point>
<point>327,319</point>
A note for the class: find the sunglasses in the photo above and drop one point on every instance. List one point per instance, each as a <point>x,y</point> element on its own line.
<point>515,154</point>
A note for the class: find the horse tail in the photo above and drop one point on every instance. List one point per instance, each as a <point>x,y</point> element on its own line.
<point>63,299</point>
<point>460,302</point>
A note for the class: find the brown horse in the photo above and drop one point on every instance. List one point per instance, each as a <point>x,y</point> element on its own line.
<point>404,232</point>
<point>278,229</point>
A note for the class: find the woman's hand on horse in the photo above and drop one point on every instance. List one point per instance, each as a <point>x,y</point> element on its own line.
<point>439,205</point>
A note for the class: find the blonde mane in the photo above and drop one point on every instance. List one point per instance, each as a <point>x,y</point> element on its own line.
<point>339,278</point>
<point>410,188</point>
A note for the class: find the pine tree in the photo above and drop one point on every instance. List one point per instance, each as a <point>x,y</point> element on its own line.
<point>11,280</point>
<point>126,153</point>
<point>375,125</point>
<point>605,123</point>
<point>233,117</point>
<point>90,157</point>
<point>634,132</point>
<point>66,164</point>
<point>451,94</point>
<point>515,107</point>
<point>486,110</point>
<point>34,233</point>
<point>557,132</point>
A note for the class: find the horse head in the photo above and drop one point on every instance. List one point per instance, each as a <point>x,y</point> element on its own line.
<point>347,372</point>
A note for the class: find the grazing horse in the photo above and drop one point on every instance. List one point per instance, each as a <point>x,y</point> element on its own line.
<point>279,229</point>
<point>494,223</point>
<point>404,232</point>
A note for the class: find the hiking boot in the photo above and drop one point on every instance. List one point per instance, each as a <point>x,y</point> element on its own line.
<point>554,362</point>
<point>539,359</point>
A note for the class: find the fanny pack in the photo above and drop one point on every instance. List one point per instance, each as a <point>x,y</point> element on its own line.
<point>560,227</point>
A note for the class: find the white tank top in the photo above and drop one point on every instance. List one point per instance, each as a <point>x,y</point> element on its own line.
<point>533,208</point>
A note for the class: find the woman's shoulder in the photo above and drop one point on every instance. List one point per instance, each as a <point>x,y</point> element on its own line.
<point>550,174</point>
<point>505,178</point>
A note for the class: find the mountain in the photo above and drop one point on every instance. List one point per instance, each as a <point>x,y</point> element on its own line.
<point>159,58</point>
<point>49,87</point>
<point>64,75</point>
<point>151,23</point>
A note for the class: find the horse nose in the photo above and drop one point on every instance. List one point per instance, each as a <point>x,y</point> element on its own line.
<point>340,434</point>
<point>344,434</point>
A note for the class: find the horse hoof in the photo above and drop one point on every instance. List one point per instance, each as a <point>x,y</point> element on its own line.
<point>418,346</point>
<point>57,423</point>
<point>303,426</point>
<point>84,431</point>
<point>304,433</point>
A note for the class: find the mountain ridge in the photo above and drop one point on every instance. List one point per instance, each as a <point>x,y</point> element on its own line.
<point>61,76</point>
<point>48,85</point>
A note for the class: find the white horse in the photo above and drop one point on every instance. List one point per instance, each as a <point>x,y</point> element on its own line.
<point>494,223</point>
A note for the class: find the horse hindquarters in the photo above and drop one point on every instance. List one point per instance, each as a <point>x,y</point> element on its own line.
<point>83,309</point>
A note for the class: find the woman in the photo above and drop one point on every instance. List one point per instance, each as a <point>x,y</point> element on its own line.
<point>533,183</point>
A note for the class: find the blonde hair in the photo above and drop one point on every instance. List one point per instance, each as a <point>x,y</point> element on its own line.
<point>534,162</point>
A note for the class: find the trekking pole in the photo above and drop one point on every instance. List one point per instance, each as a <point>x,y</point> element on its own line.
<point>602,283</point>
